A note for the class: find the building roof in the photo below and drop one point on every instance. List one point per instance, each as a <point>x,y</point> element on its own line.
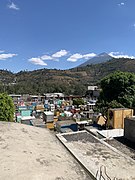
<point>23,118</point>
<point>48,113</point>
<point>92,88</point>
<point>54,95</point>
<point>15,95</point>
<point>65,122</point>
<point>117,109</point>
<point>82,122</point>
<point>33,153</point>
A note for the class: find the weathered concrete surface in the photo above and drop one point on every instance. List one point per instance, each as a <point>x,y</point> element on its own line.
<point>111,133</point>
<point>94,154</point>
<point>123,145</point>
<point>32,153</point>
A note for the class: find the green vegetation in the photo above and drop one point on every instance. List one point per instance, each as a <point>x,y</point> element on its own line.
<point>78,101</point>
<point>73,81</point>
<point>118,90</point>
<point>6,108</point>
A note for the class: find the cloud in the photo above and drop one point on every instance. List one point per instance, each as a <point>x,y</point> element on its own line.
<point>88,56</point>
<point>13,6</point>
<point>120,55</point>
<point>77,56</point>
<point>37,61</point>
<point>46,57</point>
<point>54,57</point>
<point>121,4</point>
<point>6,56</point>
<point>115,53</point>
<point>134,25</point>
<point>60,54</point>
<point>1,51</point>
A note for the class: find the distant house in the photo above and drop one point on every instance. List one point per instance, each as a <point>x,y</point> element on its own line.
<point>92,88</point>
<point>54,95</point>
<point>15,97</point>
<point>48,116</point>
<point>66,126</point>
<point>91,104</point>
<point>92,93</point>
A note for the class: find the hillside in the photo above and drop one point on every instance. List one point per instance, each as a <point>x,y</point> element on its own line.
<point>103,57</point>
<point>72,81</point>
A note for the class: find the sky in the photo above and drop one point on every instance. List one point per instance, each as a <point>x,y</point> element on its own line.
<point>62,34</point>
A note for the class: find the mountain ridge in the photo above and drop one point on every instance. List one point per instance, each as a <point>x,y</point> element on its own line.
<point>72,81</point>
<point>102,57</point>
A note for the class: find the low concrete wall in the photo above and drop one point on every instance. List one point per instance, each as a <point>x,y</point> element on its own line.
<point>129,129</point>
<point>112,133</point>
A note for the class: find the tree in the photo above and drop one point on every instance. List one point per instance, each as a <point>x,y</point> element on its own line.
<point>118,90</point>
<point>6,107</point>
<point>78,101</point>
<point>79,89</point>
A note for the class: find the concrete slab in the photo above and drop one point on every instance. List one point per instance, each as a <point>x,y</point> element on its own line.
<point>112,133</point>
<point>32,153</point>
<point>94,131</point>
<point>98,157</point>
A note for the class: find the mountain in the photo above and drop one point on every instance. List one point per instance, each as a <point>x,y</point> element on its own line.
<point>72,81</point>
<point>103,57</point>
